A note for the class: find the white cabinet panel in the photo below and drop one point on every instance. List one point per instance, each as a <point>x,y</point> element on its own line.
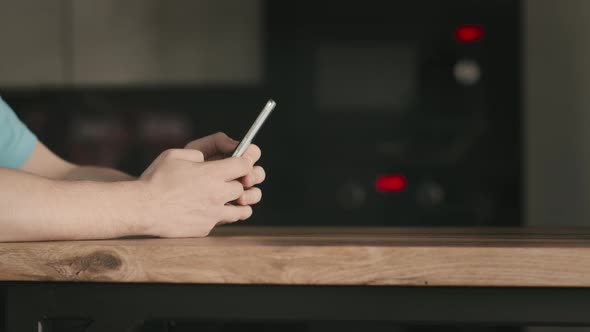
<point>557,118</point>
<point>166,42</point>
<point>31,43</point>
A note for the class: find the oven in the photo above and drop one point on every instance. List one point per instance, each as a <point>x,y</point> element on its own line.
<point>394,113</point>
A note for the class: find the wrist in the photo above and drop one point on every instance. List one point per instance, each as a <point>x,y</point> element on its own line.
<point>138,219</point>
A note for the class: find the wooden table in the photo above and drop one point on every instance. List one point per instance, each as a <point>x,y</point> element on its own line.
<point>475,275</point>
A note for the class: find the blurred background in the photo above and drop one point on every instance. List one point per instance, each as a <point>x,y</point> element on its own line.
<point>395,113</point>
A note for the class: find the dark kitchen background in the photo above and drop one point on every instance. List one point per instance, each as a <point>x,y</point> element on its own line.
<point>391,113</point>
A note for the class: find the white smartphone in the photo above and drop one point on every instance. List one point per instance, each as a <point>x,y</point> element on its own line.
<point>241,148</point>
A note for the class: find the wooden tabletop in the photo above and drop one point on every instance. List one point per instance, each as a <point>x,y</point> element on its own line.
<point>318,256</point>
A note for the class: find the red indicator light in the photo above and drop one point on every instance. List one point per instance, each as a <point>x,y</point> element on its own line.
<point>469,33</point>
<point>391,183</point>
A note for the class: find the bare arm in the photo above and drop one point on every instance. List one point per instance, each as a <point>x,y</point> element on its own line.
<point>45,163</point>
<point>39,205</point>
<point>179,195</point>
<point>100,174</point>
<point>36,208</point>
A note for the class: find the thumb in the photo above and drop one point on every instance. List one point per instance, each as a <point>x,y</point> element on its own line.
<point>212,145</point>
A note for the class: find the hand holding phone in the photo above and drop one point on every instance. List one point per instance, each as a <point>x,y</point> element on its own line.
<point>241,148</point>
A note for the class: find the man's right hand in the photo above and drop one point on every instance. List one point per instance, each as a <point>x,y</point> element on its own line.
<point>186,197</point>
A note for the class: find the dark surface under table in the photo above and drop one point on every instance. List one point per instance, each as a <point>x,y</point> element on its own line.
<point>126,307</point>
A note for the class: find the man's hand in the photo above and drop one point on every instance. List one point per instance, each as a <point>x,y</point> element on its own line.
<point>184,193</point>
<point>187,197</point>
<point>219,146</point>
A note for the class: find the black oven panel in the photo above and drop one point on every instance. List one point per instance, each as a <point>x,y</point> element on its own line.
<point>395,112</point>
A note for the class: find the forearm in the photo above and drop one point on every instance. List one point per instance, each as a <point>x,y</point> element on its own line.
<point>45,163</point>
<point>96,174</point>
<point>33,208</point>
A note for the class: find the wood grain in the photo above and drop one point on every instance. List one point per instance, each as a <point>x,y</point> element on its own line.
<point>525,257</point>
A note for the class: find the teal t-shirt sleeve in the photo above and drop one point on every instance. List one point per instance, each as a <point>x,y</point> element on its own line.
<point>16,140</point>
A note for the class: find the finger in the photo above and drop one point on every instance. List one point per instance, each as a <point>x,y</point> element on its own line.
<point>256,176</point>
<point>231,168</point>
<point>183,154</point>
<point>250,197</point>
<point>218,143</point>
<point>233,213</point>
<point>253,153</point>
<point>232,191</point>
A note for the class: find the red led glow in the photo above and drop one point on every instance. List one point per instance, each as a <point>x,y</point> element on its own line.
<point>391,183</point>
<point>469,33</point>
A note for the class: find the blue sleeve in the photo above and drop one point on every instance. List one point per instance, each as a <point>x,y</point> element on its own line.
<point>16,140</point>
